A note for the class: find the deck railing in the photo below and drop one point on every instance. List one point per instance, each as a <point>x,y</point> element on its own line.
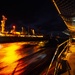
<point>57,56</point>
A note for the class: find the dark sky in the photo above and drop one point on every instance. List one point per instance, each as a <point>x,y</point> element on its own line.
<point>36,13</point>
<point>26,9</point>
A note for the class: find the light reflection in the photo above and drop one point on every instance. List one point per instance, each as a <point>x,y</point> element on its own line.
<point>72,48</point>
<point>1,46</point>
<point>11,55</point>
<point>8,57</point>
<point>41,43</point>
<point>8,70</point>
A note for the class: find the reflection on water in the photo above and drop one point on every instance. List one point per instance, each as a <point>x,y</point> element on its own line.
<point>11,53</point>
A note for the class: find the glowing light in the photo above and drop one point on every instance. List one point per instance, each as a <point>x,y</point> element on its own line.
<point>9,69</point>
<point>14,26</point>
<point>41,43</point>
<point>72,48</point>
<point>73,18</point>
<point>11,55</point>
<point>1,46</point>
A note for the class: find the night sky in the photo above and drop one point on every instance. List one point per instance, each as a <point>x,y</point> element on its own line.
<point>38,14</point>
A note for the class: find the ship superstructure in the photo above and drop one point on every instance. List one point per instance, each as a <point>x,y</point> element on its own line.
<point>3,23</point>
<point>13,31</point>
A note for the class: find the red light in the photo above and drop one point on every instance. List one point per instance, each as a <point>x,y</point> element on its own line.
<point>14,26</point>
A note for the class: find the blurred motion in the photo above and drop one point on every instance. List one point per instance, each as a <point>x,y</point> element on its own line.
<point>24,58</point>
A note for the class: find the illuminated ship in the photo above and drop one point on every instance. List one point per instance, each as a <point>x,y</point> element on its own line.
<point>15,36</point>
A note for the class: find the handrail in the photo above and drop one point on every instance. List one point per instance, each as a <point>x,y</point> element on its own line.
<point>58,59</point>
<point>55,54</point>
<point>62,51</point>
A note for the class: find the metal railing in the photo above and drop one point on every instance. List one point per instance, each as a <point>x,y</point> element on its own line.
<point>56,52</point>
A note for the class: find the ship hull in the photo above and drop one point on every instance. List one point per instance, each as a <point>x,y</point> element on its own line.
<point>6,39</point>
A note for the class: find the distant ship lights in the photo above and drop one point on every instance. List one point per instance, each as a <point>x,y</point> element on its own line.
<point>3,23</point>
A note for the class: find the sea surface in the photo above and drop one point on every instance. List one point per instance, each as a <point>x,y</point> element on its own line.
<point>25,58</point>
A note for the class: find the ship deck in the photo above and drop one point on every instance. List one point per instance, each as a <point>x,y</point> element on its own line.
<point>70,57</point>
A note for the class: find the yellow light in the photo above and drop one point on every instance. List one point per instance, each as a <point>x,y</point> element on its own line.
<point>1,46</point>
<point>9,56</point>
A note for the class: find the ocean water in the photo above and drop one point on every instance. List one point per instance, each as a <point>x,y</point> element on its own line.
<point>25,58</point>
